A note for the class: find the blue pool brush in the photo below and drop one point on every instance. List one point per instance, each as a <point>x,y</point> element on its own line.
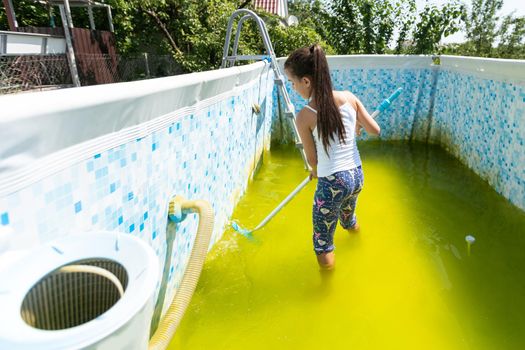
<point>248,233</point>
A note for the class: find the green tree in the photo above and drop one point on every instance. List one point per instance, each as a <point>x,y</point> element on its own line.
<point>192,31</point>
<point>286,39</point>
<point>405,19</point>
<point>361,26</point>
<point>434,24</point>
<point>312,14</point>
<point>511,36</point>
<point>28,13</point>
<point>481,25</point>
<point>310,29</point>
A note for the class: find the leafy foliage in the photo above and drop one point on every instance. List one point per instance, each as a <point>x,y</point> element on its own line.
<point>286,39</point>
<point>193,31</point>
<point>485,39</point>
<point>512,37</point>
<point>434,24</point>
<point>367,27</point>
<point>362,26</point>
<point>481,25</point>
<point>313,14</point>
<point>405,20</point>
<point>33,14</point>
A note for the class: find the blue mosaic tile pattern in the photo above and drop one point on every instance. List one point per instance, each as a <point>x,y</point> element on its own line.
<point>211,153</point>
<point>482,122</point>
<point>405,118</point>
<point>208,155</point>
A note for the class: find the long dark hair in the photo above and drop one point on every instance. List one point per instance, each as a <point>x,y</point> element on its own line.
<point>311,62</point>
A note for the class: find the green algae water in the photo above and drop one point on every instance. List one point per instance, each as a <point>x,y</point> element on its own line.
<point>405,281</point>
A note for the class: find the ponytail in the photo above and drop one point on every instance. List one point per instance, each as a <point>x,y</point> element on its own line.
<point>329,121</point>
<point>311,62</point>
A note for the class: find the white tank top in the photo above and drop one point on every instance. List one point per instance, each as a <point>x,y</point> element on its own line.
<point>341,156</point>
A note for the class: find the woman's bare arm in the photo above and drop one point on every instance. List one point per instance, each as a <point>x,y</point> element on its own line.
<point>364,119</point>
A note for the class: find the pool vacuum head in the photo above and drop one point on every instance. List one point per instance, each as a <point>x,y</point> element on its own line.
<point>241,230</point>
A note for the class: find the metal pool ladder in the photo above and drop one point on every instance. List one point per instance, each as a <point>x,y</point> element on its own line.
<point>229,61</point>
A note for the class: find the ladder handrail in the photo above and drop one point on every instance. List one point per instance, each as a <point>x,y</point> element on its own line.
<point>238,34</point>
<point>229,61</point>
<point>262,30</point>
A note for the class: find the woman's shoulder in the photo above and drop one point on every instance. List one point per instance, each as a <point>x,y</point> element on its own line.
<point>339,97</point>
<point>343,97</point>
<point>306,116</point>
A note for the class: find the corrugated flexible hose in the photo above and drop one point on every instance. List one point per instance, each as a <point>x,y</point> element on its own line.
<point>97,271</point>
<point>169,323</point>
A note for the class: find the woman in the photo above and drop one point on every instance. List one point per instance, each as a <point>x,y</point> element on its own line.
<point>327,126</point>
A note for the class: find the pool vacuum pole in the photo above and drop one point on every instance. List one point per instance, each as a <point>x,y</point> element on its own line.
<point>386,103</point>
<point>283,203</point>
<point>383,106</point>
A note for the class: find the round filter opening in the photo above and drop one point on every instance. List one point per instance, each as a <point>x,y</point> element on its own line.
<point>74,294</point>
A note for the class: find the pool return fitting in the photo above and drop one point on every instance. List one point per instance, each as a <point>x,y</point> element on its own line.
<point>178,210</point>
<point>470,241</point>
<point>383,106</point>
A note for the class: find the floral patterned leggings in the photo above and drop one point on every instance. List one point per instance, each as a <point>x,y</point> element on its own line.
<point>335,199</point>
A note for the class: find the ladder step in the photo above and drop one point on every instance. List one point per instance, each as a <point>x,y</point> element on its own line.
<point>280,79</point>
<point>289,114</point>
<point>246,57</point>
<point>290,111</point>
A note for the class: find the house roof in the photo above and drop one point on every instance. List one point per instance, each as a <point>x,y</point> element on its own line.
<point>278,7</point>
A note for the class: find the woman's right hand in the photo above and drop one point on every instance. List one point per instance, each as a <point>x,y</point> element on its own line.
<point>313,174</point>
<point>358,129</point>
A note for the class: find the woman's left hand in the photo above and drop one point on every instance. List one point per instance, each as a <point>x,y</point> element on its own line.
<point>313,174</point>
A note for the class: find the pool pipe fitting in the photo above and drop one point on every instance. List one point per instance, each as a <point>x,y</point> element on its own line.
<point>175,212</point>
<point>470,241</point>
<point>178,209</point>
<point>256,108</point>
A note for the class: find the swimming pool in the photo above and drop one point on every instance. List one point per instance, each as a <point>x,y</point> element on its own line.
<point>405,281</point>
<point>110,157</point>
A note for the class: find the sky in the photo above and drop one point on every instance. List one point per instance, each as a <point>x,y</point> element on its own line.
<point>508,7</point>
